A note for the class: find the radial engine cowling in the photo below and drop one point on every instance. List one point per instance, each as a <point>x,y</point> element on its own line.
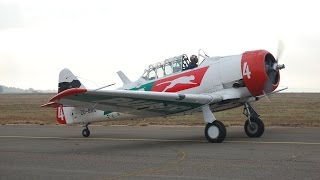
<point>260,71</point>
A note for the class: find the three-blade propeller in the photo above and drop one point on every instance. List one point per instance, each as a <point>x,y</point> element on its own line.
<point>272,69</point>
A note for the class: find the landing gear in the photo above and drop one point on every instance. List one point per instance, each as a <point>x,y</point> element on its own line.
<point>254,126</point>
<point>86,131</point>
<point>215,132</point>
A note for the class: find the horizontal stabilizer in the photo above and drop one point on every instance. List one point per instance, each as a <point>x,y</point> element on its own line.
<point>52,104</point>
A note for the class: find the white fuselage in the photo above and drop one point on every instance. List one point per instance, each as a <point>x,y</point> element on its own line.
<point>220,73</point>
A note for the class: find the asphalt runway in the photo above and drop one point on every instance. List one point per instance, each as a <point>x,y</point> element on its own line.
<point>153,152</point>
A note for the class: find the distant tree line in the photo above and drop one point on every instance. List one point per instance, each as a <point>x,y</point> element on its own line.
<point>4,90</point>
<point>8,90</point>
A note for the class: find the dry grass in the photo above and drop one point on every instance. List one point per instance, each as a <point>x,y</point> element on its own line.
<point>286,109</point>
<point>25,109</point>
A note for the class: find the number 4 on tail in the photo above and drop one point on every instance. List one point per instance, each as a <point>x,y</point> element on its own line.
<point>60,113</point>
<point>246,71</point>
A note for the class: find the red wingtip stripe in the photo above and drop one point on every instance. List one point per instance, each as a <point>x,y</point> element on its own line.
<point>68,92</point>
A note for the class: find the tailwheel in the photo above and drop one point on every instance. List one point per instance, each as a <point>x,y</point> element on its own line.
<point>254,127</point>
<point>86,132</point>
<point>215,132</point>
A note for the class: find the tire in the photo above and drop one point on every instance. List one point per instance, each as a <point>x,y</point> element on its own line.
<point>257,128</point>
<point>215,132</point>
<point>85,133</point>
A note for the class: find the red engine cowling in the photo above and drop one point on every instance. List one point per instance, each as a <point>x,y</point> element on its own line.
<point>259,74</point>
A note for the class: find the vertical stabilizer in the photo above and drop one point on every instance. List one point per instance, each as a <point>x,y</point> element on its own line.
<point>123,78</point>
<point>68,80</point>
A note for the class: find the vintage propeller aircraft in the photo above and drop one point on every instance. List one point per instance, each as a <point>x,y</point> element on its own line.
<point>170,88</point>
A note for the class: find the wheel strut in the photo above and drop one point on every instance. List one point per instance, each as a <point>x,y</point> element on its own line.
<point>254,126</point>
<point>249,112</point>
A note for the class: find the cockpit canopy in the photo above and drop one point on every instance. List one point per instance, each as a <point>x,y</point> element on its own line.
<point>166,68</point>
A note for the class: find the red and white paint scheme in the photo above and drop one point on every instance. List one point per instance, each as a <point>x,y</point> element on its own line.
<point>170,88</point>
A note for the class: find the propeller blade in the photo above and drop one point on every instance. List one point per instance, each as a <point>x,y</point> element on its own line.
<point>267,97</point>
<point>279,50</point>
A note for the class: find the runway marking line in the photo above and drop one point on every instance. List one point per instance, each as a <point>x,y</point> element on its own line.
<point>163,140</point>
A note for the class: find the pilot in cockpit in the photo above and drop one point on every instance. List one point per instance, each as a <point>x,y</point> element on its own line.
<point>193,62</point>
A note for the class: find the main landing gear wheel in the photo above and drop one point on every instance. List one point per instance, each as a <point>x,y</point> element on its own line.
<point>255,129</point>
<point>215,132</point>
<point>86,132</point>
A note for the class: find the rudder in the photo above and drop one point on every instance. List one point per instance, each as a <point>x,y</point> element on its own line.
<point>64,115</point>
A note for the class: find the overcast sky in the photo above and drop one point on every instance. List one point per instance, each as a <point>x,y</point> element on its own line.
<point>95,39</point>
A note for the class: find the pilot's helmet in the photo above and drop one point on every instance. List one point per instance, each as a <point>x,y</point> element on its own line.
<point>194,58</point>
